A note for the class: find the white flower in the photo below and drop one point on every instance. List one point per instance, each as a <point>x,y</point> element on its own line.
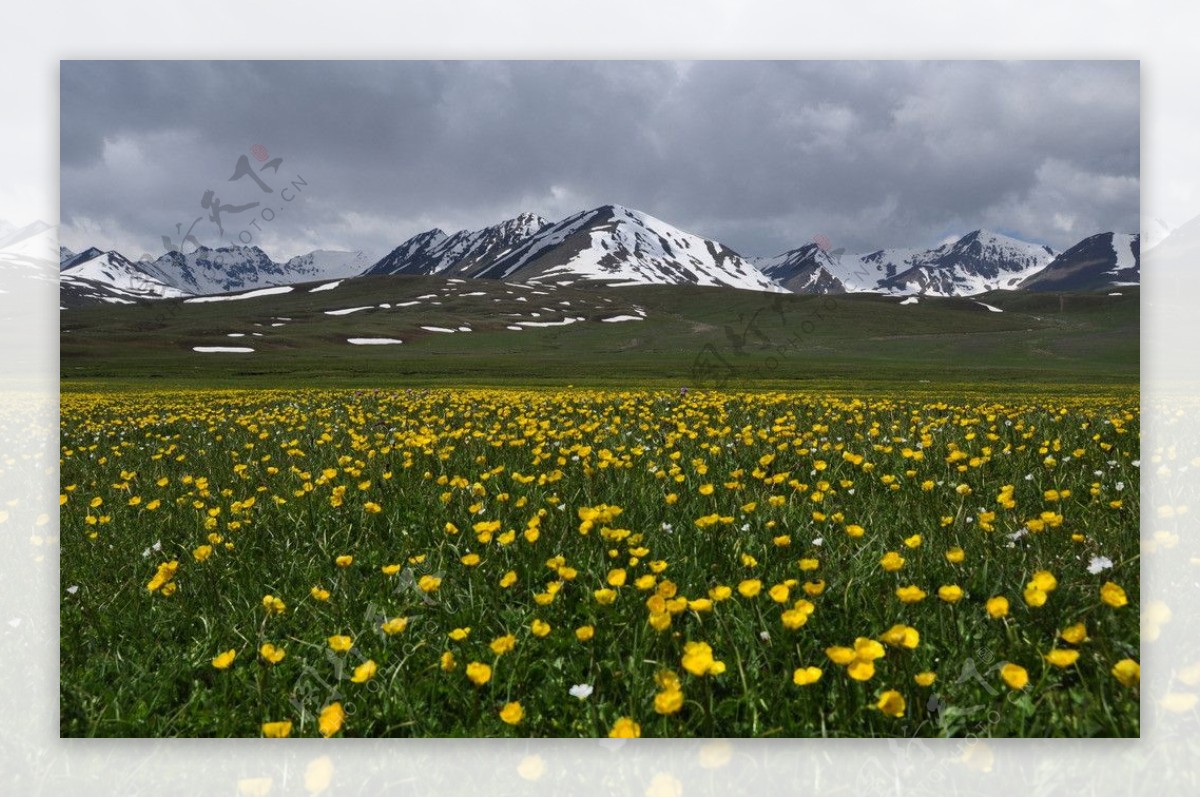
<point>73,589</point>
<point>818,541</point>
<point>581,691</point>
<point>1020,533</point>
<point>668,527</point>
<point>764,635</point>
<point>1099,564</point>
<point>1120,486</point>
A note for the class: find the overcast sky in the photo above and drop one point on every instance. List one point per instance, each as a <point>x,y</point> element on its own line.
<point>762,156</point>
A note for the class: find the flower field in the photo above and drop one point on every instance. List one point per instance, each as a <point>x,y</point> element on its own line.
<point>597,563</point>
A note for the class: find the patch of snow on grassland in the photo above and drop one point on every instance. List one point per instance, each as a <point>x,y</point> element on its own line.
<point>345,311</point>
<point>623,318</point>
<point>222,349</point>
<point>992,308</point>
<point>279,289</point>
<point>912,300</point>
<point>325,287</point>
<point>373,341</point>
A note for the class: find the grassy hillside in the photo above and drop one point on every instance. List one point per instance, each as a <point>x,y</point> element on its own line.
<point>686,336</point>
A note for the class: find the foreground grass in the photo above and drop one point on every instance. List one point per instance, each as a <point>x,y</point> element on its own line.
<point>775,527</point>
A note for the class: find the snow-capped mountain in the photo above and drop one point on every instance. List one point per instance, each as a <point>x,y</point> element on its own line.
<point>27,253</point>
<point>979,261</point>
<point>620,246</point>
<point>1099,261</point>
<point>226,269</point>
<point>109,277</point>
<point>414,256</point>
<point>216,271</point>
<point>807,270</point>
<point>459,255</point>
<point>812,270</point>
<point>328,264</point>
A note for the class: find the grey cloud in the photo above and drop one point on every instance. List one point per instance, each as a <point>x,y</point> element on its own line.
<point>759,155</point>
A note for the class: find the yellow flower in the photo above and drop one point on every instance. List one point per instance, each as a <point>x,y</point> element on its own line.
<point>344,561</point>
<point>955,554</point>
<point>319,593</point>
<point>429,584</point>
<point>855,531</point>
<point>910,595</point>
<point>815,588</point>
<point>277,729</point>
<point>749,588</point>
<point>165,573</point>
<point>512,713</point>
<point>698,660</point>
<point>616,577</point>
<point>539,628</point>
<point>1075,634</point>
<point>365,672</point>
<point>509,579</point>
<point>901,636</point>
<point>224,659</point>
<point>720,593</point>
<point>372,507</point>
<point>1062,657</point>
<point>997,606</point>
<point>202,553</point>
<point>779,594</point>
<point>840,655</point>
<point>1127,672</point>
<point>1112,595</point>
<point>925,678</point>
<point>892,561</point>
<point>1034,596</point>
<point>1044,580</point>
<point>794,618</point>
<point>585,633</point>
<point>503,644</point>
<point>668,702</point>
<point>809,564</point>
<point>390,570</point>
<point>447,661</point>
<point>950,593</point>
<point>625,727</point>
<point>912,541</point>
<point>470,560</point>
<point>861,670</point>
<point>891,703</point>
<point>605,595</point>
<point>1014,676</point>
<point>271,653</point>
<point>479,673</point>
<point>394,626</point>
<point>341,643</point>
<point>331,719</point>
<point>460,634</point>
<point>806,676</point>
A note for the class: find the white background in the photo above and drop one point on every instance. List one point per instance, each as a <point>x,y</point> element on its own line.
<point>1162,35</point>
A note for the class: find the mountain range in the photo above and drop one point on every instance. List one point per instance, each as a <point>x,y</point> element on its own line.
<point>612,245</point>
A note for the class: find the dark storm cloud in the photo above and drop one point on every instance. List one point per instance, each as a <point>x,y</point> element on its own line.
<point>759,155</point>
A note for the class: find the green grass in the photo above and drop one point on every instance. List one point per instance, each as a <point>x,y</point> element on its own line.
<point>786,341</point>
<point>138,663</point>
